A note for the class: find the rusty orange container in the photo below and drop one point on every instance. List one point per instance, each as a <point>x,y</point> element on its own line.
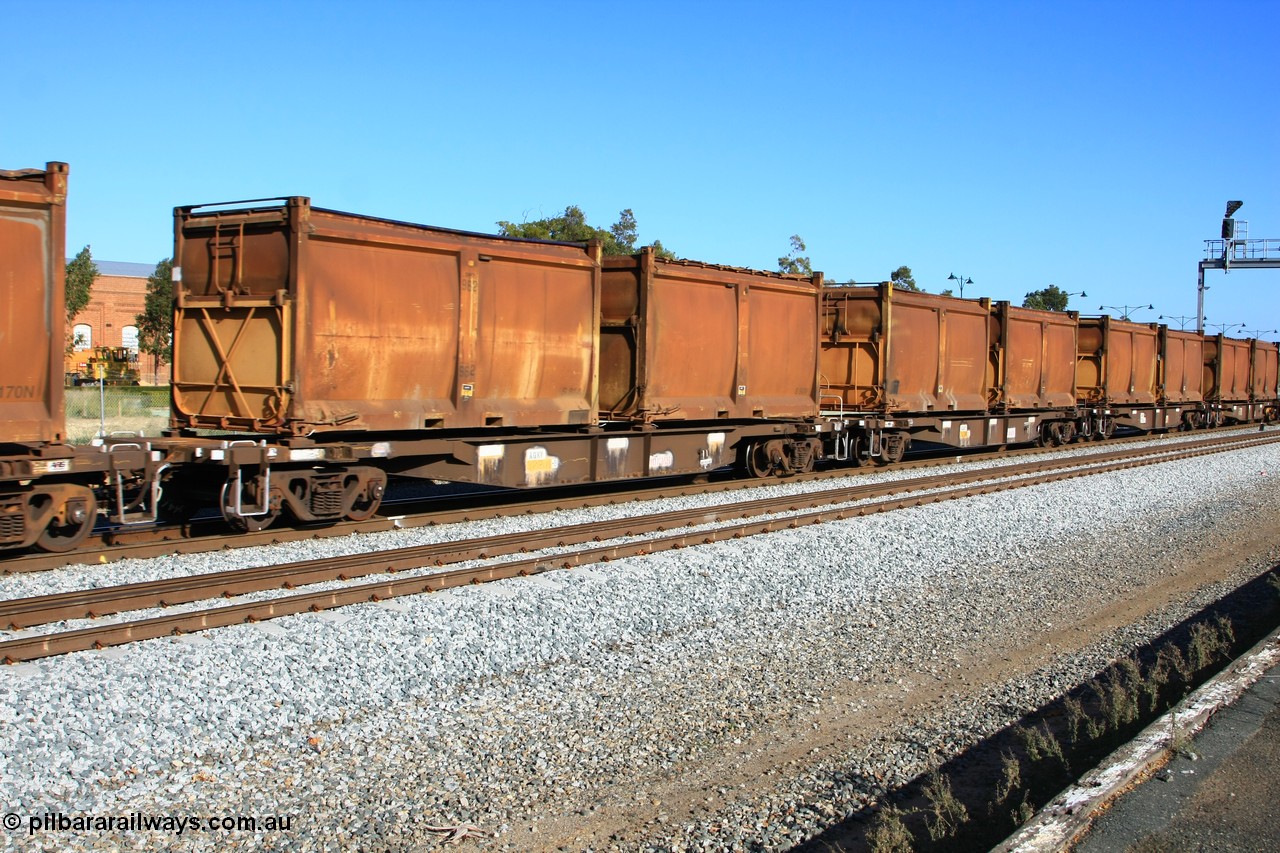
<point>296,319</point>
<point>1033,357</point>
<point>1227,368</point>
<point>33,215</point>
<point>682,340</point>
<point>1181,367</point>
<point>1263,375</point>
<point>887,350</point>
<point>1116,362</point>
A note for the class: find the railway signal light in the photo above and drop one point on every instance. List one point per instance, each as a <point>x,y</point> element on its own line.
<point>1228,223</point>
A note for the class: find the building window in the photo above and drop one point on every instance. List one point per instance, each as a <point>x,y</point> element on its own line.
<point>82,336</point>
<point>129,337</point>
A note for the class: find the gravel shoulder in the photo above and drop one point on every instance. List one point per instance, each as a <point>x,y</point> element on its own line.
<point>741,695</point>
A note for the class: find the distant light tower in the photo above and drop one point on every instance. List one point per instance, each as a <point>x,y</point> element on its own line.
<point>1125,310</point>
<point>961,280</point>
<point>1182,321</point>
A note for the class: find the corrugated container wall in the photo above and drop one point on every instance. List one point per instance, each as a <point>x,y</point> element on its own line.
<point>1117,362</point>
<point>682,340</point>
<point>1227,365</point>
<point>1181,367</point>
<point>889,350</point>
<point>1032,358</point>
<point>298,319</point>
<point>33,216</point>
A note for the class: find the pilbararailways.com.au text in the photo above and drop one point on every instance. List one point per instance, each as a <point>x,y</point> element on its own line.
<point>57,822</point>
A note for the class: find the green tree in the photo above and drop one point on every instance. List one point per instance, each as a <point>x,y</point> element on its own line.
<point>795,263</point>
<point>81,272</point>
<point>1051,298</point>
<point>155,323</point>
<point>904,280</point>
<point>572,227</point>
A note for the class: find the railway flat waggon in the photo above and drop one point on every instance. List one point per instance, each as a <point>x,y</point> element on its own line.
<point>355,348</point>
<point>317,354</point>
<point>1239,380</point>
<point>900,365</point>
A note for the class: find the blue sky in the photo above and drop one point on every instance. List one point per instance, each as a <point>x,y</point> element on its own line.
<point>1088,145</point>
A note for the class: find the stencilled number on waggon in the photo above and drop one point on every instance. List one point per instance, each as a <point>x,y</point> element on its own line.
<point>19,392</point>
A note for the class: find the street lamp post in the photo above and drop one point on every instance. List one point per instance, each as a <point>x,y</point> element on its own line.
<point>1182,321</point>
<point>1257,333</point>
<point>1125,310</point>
<point>961,280</point>
<point>1223,328</point>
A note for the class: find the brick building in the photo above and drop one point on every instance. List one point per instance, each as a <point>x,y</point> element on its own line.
<point>110,319</point>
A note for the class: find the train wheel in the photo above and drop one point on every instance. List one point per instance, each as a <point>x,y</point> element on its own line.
<point>856,446</point>
<point>71,524</point>
<point>759,459</point>
<point>366,504</point>
<point>248,523</point>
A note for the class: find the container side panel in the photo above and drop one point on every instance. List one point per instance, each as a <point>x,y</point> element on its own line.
<point>1235,370</point>
<point>1059,374</point>
<point>1119,368</point>
<point>1023,347</point>
<point>692,347</point>
<point>1183,368</point>
<point>26,330</point>
<point>965,364</point>
<point>1145,366</point>
<point>914,359</point>
<point>383,336</point>
<point>1265,358</point>
<point>32,334</point>
<point>535,343</point>
<point>783,351</point>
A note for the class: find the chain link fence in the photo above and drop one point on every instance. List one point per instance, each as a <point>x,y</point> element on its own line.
<point>94,410</point>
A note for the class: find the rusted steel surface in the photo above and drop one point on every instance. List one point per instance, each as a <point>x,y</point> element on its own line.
<point>32,318</point>
<point>1181,367</point>
<point>1227,368</point>
<point>1117,362</point>
<point>889,351</point>
<point>692,341</point>
<point>1033,358</point>
<point>1263,374</point>
<point>294,319</point>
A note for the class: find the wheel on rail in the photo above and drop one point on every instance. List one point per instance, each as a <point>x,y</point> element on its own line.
<point>758,459</point>
<point>72,521</point>
<point>367,501</point>
<point>248,523</point>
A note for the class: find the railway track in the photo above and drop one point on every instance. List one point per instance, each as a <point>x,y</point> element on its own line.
<point>743,518</point>
<point>110,546</point>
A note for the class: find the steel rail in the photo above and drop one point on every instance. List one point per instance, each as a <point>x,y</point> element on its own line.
<point>46,645</point>
<point>165,540</point>
<point>21,613</point>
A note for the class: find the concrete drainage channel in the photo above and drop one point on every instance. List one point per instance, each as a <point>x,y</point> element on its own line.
<point>1021,789</point>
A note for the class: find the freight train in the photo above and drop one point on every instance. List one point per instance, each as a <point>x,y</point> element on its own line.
<point>319,353</point>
